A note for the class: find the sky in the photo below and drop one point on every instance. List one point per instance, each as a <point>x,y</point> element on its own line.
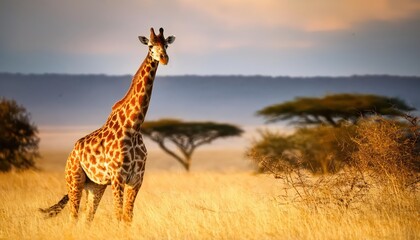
<point>218,37</point>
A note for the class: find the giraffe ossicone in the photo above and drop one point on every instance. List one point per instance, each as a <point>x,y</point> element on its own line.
<point>115,153</point>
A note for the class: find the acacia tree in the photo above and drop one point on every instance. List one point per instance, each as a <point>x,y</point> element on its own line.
<point>327,146</point>
<point>18,137</point>
<point>333,109</point>
<point>186,136</point>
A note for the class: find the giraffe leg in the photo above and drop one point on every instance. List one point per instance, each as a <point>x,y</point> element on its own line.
<point>118,193</point>
<point>131,194</point>
<point>129,198</point>
<point>75,178</point>
<point>83,207</point>
<point>94,195</point>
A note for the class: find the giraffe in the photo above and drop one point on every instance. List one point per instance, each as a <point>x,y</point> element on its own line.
<point>115,153</point>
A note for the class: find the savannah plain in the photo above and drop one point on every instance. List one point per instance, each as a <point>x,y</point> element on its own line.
<point>68,63</point>
<point>213,201</point>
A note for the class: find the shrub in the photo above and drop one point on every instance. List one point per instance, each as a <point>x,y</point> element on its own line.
<point>18,137</point>
<point>325,149</point>
<point>320,149</point>
<point>387,150</point>
<point>272,151</point>
<point>378,156</point>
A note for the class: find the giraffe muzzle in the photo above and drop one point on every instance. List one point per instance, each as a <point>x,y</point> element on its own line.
<point>164,59</point>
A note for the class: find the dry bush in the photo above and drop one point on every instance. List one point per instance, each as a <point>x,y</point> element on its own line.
<point>387,152</point>
<point>272,152</point>
<point>321,149</point>
<point>326,149</point>
<point>382,157</point>
<point>346,189</point>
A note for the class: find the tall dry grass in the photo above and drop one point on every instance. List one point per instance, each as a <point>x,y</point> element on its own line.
<point>202,206</point>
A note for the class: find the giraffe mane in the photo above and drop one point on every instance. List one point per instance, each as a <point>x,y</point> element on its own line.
<point>127,95</point>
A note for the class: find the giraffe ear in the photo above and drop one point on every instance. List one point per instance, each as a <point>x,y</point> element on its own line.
<point>144,40</point>
<point>170,39</point>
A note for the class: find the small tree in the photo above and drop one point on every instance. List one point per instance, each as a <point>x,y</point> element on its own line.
<point>333,109</point>
<point>18,137</point>
<point>186,136</point>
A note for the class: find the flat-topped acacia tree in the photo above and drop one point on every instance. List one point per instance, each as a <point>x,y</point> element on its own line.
<point>186,136</point>
<point>335,108</point>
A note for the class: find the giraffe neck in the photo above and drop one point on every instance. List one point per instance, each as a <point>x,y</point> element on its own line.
<point>131,110</point>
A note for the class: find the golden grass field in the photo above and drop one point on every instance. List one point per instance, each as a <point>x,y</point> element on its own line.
<point>200,205</point>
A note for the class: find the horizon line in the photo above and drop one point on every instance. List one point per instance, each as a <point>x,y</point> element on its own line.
<point>214,75</point>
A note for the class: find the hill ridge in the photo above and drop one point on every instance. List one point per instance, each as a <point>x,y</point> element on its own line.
<point>86,99</point>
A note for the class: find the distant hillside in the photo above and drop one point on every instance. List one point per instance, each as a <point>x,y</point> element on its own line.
<point>55,99</point>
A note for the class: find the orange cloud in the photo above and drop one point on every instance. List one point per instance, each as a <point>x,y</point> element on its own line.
<point>324,15</point>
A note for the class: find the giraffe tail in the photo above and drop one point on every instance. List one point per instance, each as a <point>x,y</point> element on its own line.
<point>55,209</point>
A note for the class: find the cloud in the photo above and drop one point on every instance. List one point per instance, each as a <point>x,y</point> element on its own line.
<point>109,27</point>
<point>217,31</point>
<point>278,25</point>
<point>324,15</point>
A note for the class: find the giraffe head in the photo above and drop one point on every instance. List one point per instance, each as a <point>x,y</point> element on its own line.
<point>157,45</point>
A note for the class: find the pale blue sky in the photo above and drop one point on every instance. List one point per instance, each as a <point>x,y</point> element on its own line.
<point>265,37</point>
